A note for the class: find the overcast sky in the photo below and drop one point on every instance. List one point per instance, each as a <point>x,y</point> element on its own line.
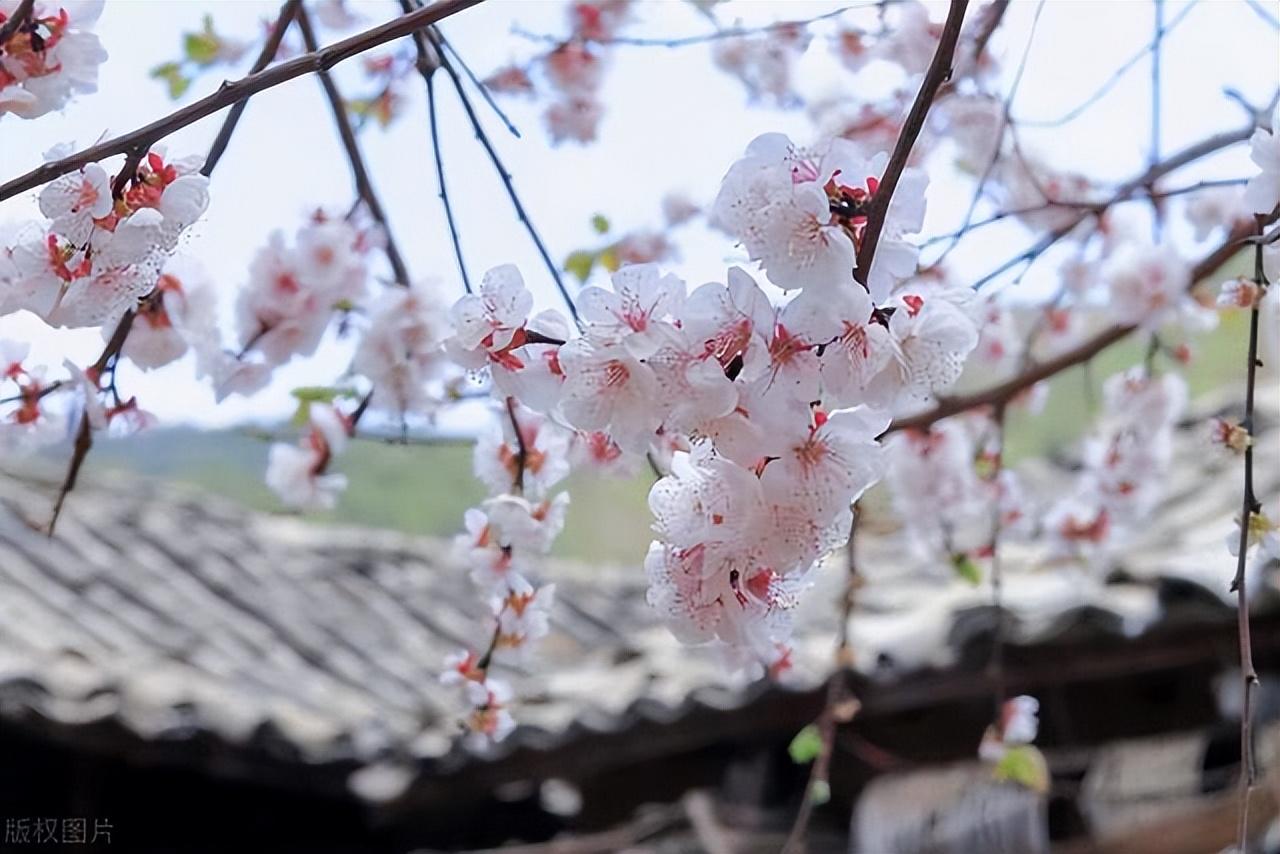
<point>673,122</point>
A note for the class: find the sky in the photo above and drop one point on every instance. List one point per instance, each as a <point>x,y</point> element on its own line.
<point>673,123</point>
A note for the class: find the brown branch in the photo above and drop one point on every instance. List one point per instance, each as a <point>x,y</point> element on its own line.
<point>438,41</point>
<point>359,172</point>
<point>128,172</point>
<point>717,35</point>
<point>992,16</point>
<point>1249,506</point>
<point>287,11</point>
<point>231,93</point>
<point>939,72</point>
<point>1083,352</point>
<point>427,63</point>
<point>84,434</point>
<point>16,20</point>
<point>522,451</point>
<point>1190,154</point>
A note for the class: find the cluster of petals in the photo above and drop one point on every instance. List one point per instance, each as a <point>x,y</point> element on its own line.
<point>95,255</point>
<point>52,56</point>
<point>1125,460</point>
<point>1018,725</point>
<point>801,214</point>
<point>951,492</point>
<point>300,474</point>
<point>505,540</point>
<point>25,423</point>
<point>765,62</point>
<point>768,415</point>
<point>1262,194</point>
<point>293,292</point>
<point>573,70</point>
<point>402,352</point>
<point>1149,287</point>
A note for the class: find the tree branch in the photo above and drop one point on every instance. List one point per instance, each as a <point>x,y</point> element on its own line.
<point>359,172</point>
<point>1083,352</point>
<point>427,64</point>
<point>939,72</point>
<point>16,20</point>
<point>437,40</point>
<point>287,11</point>
<point>1249,506</point>
<point>232,93</point>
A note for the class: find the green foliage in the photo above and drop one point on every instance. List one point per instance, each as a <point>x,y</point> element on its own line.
<point>307,395</point>
<point>1025,765</point>
<point>966,568</point>
<point>580,264</point>
<point>806,746</point>
<point>600,224</point>
<point>202,47</point>
<point>171,74</point>
<point>819,792</point>
<point>609,259</point>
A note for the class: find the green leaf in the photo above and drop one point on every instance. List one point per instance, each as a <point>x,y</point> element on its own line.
<point>1025,765</point>
<point>609,259</point>
<point>320,393</point>
<point>966,568</point>
<point>201,48</point>
<point>806,746</point>
<point>580,264</point>
<point>171,74</point>
<point>600,223</point>
<point>819,792</point>
<point>301,415</point>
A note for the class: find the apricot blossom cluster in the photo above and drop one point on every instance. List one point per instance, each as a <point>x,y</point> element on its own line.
<point>51,56</point>
<point>764,415</point>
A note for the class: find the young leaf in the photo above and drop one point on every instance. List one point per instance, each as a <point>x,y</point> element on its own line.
<point>609,259</point>
<point>966,568</point>
<point>320,393</point>
<point>580,264</point>
<point>1024,765</point>
<point>820,792</point>
<point>171,74</point>
<point>202,47</point>
<point>806,746</point>
<point>600,223</point>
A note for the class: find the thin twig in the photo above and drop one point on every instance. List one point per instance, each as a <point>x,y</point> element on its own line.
<point>1176,161</point>
<point>521,214</point>
<point>444,189</point>
<point>1107,85</point>
<point>1249,506</point>
<point>427,64</point>
<point>1153,154</point>
<point>684,41</point>
<point>128,172</point>
<point>479,84</point>
<point>1081,353</point>
<point>359,172</point>
<point>231,93</point>
<point>939,72</point>
<point>15,21</point>
<point>268,53</point>
<point>1006,122</point>
<point>522,451</point>
<point>84,433</point>
<point>1264,13</point>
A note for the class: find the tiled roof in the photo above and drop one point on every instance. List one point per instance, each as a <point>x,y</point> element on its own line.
<point>167,620</point>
